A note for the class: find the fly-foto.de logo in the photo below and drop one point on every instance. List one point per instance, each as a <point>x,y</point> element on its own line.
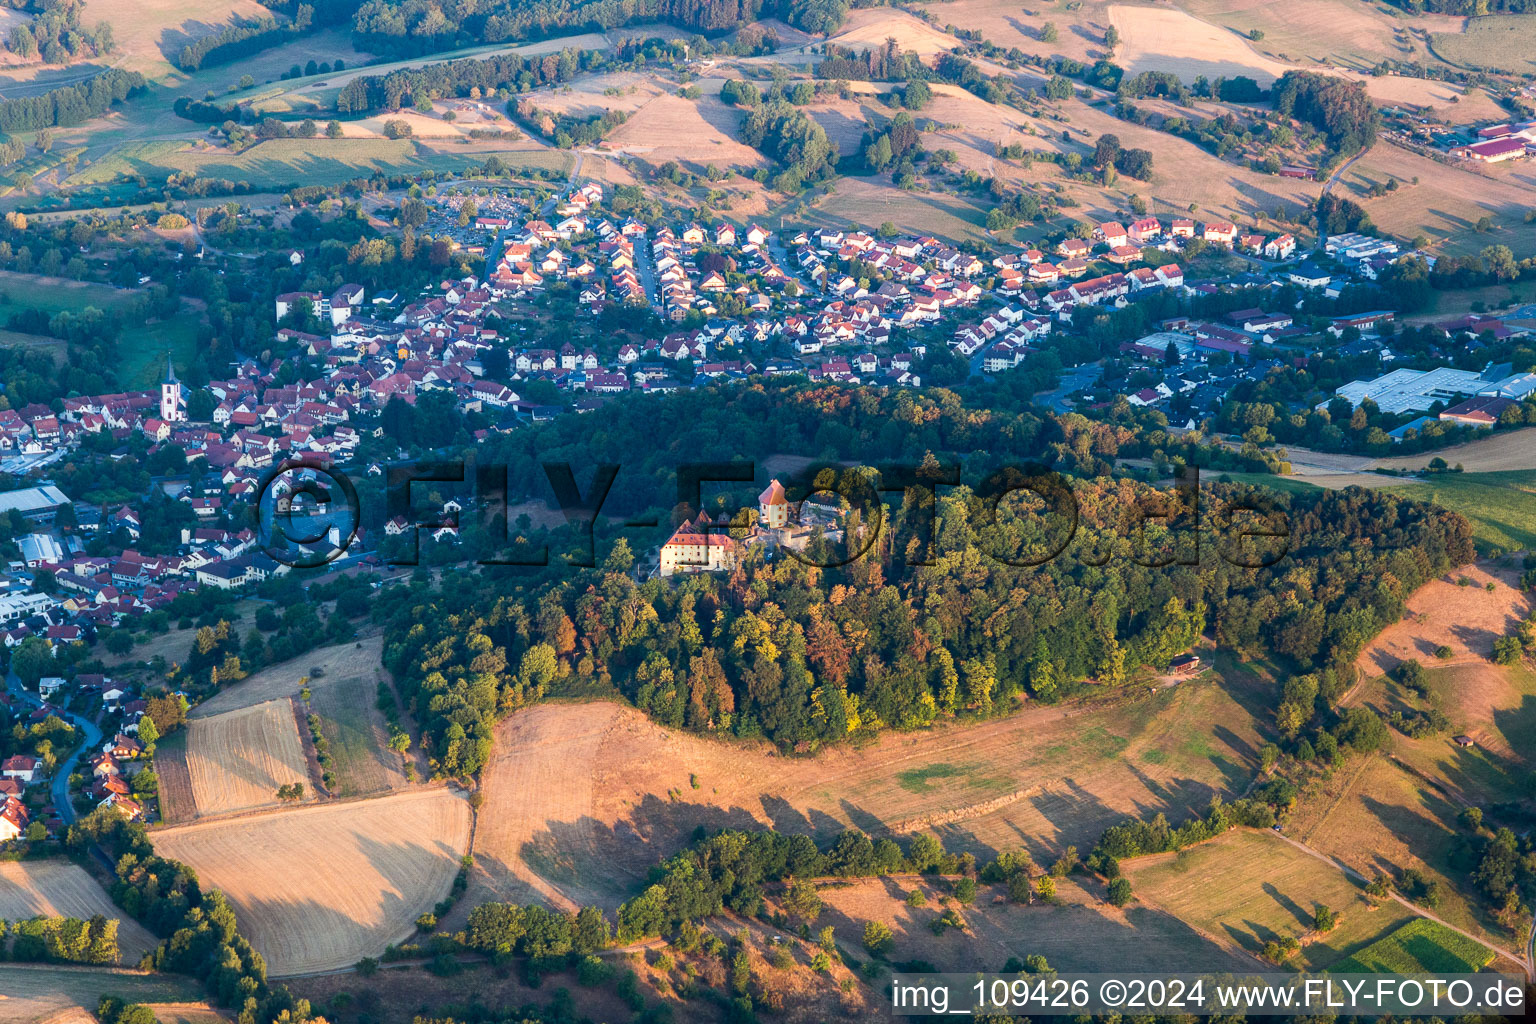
<point>311,515</point>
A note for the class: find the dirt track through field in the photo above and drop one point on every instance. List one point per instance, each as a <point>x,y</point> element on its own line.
<point>318,888</point>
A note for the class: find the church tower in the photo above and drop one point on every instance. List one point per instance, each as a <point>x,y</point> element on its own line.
<point>172,405</point>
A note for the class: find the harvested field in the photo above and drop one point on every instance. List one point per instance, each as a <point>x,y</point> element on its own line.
<point>55,994</point>
<point>1080,33</point>
<point>1171,40</point>
<point>1250,887</point>
<point>318,888</point>
<point>61,888</point>
<point>1396,90</point>
<point>1505,450</point>
<point>693,132</point>
<point>1343,32</point>
<point>1080,932</point>
<point>150,33</point>
<point>865,201</point>
<point>237,760</point>
<point>1167,39</point>
<point>870,27</point>
<point>574,809</point>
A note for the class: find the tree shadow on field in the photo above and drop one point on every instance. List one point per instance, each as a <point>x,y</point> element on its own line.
<point>1478,641</point>
<point>403,892</point>
<point>1027,31</point>
<point>1072,936</point>
<point>174,40</point>
<point>612,860</point>
<point>16,88</point>
<point>1251,935</point>
<point>1076,814</point>
<point>1302,916</point>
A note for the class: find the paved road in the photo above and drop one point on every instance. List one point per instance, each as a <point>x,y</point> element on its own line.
<point>781,256</point>
<point>60,787</point>
<point>1073,379</point>
<point>645,266</point>
<point>1338,172</point>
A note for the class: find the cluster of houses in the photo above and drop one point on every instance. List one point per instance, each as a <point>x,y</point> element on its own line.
<point>828,300</point>
<point>109,769</point>
<point>17,772</point>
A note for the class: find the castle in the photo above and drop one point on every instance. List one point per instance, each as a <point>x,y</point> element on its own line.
<point>701,546</point>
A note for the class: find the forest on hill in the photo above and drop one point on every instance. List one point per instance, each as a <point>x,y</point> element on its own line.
<point>946,612</point>
<point>414,27</point>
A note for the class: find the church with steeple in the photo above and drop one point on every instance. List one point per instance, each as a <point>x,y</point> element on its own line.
<point>173,400</point>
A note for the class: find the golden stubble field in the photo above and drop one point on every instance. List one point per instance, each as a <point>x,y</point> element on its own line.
<point>1176,41</point>
<point>318,888</point>
<point>57,994</point>
<point>581,800</point>
<point>60,888</point>
<point>695,133</point>
<point>238,759</point>
<point>343,681</point>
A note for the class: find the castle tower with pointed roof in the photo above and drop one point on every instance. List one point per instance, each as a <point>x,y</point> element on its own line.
<point>172,405</point>
<point>773,507</point>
